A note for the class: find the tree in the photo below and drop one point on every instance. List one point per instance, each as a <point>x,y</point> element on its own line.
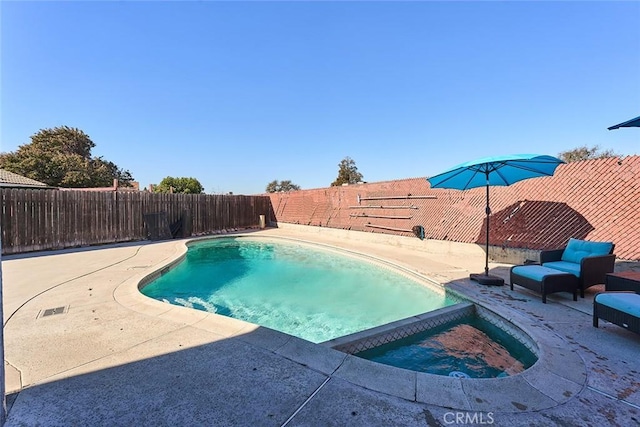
<point>61,157</point>
<point>276,186</point>
<point>179,185</point>
<point>347,173</point>
<point>585,153</point>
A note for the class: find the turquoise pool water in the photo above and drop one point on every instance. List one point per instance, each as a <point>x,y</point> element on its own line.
<point>299,289</point>
<point>473,348</point>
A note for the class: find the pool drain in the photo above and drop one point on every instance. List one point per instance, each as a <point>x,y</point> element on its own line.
<point>52,311</point>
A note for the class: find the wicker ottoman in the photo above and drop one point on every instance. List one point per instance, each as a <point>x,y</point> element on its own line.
<point>544,280</point>
<point>620,308</point>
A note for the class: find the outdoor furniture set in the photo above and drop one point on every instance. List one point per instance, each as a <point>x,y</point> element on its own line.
<point>580,265</point>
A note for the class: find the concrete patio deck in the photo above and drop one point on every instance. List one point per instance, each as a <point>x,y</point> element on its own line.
<point>116,357</point>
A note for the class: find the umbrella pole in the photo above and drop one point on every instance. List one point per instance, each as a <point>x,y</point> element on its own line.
<point>486,279</point>
<point>488,211</point>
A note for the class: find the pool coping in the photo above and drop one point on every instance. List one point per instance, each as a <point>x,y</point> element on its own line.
<point>557,377</point>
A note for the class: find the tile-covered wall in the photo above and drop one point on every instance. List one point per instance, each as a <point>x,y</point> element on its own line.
<point>592,200</point>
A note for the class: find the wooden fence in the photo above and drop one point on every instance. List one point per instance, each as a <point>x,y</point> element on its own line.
<point>34,220</point>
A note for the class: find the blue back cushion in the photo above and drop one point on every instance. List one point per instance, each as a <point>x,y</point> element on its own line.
<point>578,249</point>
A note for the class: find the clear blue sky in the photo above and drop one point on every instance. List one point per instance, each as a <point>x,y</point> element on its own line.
<point>237,94</point>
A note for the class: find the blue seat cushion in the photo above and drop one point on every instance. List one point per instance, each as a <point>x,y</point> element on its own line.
<point>578,249</point>
<point>622,301</point>
<point>567,267</point>
<point>535,272</point>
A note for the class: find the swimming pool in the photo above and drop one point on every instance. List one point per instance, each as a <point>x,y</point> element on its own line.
<point>300,289</point>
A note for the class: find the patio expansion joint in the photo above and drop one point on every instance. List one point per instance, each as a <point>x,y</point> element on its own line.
<point>610,396</point>
<point>301,407</point>
<point>465,396</point>
<point>276,351</point>
<point>280,347</point>
<point>339,365</point>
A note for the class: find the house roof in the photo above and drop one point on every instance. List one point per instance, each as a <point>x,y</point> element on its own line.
<point>10,179</point>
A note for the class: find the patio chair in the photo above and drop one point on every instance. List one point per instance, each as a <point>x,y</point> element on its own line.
<point>588,261</point>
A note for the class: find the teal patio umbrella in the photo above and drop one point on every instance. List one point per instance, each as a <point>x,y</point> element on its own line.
<point>633,123</point>
<point>500,170</point>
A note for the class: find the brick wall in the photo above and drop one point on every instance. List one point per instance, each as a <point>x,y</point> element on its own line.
<point>592,199</point>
